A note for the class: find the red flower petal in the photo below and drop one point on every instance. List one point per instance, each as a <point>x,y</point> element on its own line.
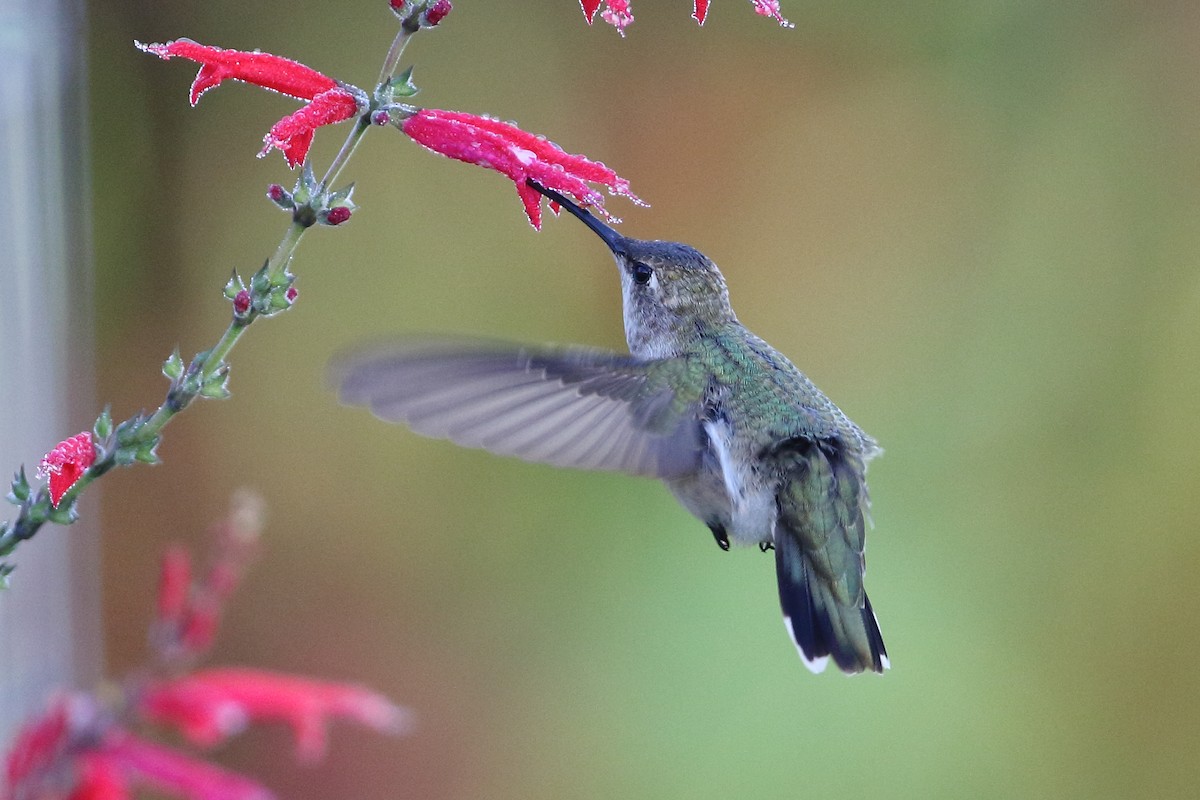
<point>261,69</point>
<point>589,9</point>
<point>293,134</point>
<point>516,154</point>
<point>700,11</point>
<point>66,463</point>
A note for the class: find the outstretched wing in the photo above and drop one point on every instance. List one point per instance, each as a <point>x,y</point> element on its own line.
<point>819,541</point>
<point>570,407</point>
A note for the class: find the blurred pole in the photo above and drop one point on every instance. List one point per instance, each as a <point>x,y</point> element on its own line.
<point>50,618</point>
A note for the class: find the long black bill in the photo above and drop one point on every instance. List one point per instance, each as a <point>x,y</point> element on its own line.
<point>614,240</point>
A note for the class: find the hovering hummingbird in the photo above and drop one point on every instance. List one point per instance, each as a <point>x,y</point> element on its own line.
<point>740,436</point>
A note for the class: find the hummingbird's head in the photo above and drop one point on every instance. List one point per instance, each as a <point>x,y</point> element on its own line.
<point>672,293</point>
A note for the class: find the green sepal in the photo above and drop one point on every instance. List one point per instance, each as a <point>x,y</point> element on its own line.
<point>102,429</point>
<point>19,492</point>
<point>173,366</point>
<point>5,571</point>
<point>261,281</point>
<point>341,198</point>
<point>63,515</point>
<point>307,186</point>
<point>127,431</point>
<point>284,278</point>
<point>234,286</point>
<point>147,453</point>
<point>402,85</point>
<point>215,386</point>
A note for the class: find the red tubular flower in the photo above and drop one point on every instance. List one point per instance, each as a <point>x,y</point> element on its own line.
<point>66,463</point>
<point>700,11</point>
<point>212,705</point>
<point>518,155</point>
<point>329,100</point>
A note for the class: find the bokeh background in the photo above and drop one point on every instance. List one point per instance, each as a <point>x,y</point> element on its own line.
<point>973,224</point>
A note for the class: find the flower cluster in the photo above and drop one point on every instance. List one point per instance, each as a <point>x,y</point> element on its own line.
<point>618,13</point>
<point>84,747</point>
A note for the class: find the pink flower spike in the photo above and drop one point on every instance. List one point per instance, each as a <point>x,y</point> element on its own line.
<point>261,69</point>
<point>700,11</point>
<point>66,463</point>
<point>172,772</point>
<point>516,154</point>
<point>212,705</point>
<point>617,14</point>
<point>770,8</point>
<point>174,585</point>
<point>589,9</point>
<point>293,134</point>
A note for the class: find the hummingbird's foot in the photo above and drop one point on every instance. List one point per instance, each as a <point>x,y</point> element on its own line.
<point>719,534</point>
<point>765,546</point>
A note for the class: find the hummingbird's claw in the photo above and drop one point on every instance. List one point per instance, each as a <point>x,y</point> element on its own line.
<point>719,534</point>
<point>765,546</point>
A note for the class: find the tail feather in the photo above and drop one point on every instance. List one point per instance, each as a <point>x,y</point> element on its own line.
<point>821,627</point>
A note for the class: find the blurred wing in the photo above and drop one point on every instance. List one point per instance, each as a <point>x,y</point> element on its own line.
<point>570,407</point>
<point>819,542</point>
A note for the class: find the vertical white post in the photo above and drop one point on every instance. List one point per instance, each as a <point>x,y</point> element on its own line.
<point>50,619</point>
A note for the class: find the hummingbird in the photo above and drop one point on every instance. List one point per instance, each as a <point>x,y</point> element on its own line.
<point>741,437</point>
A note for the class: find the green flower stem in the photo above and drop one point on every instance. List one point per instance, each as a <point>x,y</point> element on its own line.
<point>348,148</point>
<point>391,62</point>
<point>135,439</point>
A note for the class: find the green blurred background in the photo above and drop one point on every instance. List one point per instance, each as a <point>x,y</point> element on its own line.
<point>973,224</point>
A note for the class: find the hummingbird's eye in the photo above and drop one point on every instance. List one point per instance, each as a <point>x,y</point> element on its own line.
<point>641,273</point>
